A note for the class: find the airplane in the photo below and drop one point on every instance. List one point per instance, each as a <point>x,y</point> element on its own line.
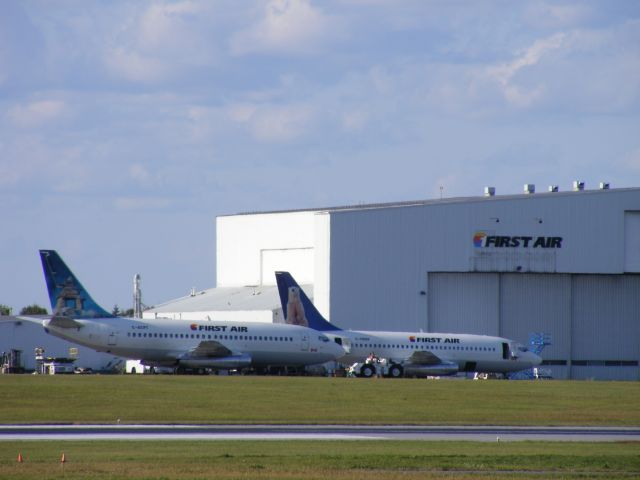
<point>408,353</point>
<point>181,344</point>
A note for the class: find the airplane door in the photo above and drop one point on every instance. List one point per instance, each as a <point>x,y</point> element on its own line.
<point>304,344</point>
<point>113,338</point>
<point>344,343</point>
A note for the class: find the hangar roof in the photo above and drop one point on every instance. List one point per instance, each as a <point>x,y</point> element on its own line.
<point>227,299</point>
<point>445,200</point>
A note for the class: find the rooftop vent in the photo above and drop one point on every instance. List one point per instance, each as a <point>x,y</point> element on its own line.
<point>578,186</point>
<point>489,191</point>
<point>529,188</point>
<point>553,188</point>
<point>604,185</point>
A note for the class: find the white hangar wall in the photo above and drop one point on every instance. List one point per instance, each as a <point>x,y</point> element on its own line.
<point>417,267</point>
<point>250,248</point>
<point>26,336</point>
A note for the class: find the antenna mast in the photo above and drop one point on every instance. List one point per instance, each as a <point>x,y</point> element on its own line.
<point>137,296</point>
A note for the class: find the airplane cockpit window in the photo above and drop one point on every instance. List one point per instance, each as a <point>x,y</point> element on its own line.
<point>322,338</point>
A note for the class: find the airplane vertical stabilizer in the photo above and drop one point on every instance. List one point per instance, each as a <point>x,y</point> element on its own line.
<point>296,306</point>
<point>67,295</point>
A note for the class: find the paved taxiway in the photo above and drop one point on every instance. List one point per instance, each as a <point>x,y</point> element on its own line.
<point>315,432</point>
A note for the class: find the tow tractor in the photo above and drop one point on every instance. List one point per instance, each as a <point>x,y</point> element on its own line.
<point>373,368</point>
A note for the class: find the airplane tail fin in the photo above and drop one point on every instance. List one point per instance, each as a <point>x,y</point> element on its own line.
<point>296,306</point>
<point>68,297</point>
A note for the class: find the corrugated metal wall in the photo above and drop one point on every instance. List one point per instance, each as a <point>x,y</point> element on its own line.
<point>537,303</point>
<point>606,320</point>
<point>592,319</point>
<point>464,303</point>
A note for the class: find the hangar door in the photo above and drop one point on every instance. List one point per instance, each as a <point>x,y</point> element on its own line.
<point>298,261</point>
<point>594,320</point>
<point>463,303</point>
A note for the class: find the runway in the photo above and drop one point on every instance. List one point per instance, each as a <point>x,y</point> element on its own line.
<point>316,432</point>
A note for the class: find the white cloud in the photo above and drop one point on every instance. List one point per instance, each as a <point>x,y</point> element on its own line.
<point>165,26</point>
<point>280,123</point>
<point>141,203</point>
<point>242,112</point>
<point>289,27</point>
<point>135,67</point>
<point>504,73</point>
<point>556,14</point>
<point>33,163</point>
<point>141,175</point>
<point>36,113</point>
<point>354,120</point>
<point>163,41</point>
<point>632,160</point>
<point>272,123</point>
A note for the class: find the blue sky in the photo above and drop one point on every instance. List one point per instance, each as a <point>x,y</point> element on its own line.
<point>127,126</point>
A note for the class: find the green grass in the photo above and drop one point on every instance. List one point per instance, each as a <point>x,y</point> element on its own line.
<point>306,400</point>
<point>318,460</point>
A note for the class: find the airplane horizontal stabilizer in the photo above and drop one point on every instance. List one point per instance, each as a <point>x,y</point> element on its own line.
<point>64,322</point>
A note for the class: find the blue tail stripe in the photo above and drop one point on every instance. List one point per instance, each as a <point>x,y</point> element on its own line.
<point>67,295</point>
<point>306,314</point>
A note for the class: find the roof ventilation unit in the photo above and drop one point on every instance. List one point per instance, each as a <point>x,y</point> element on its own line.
<point>529,188</point>
<point>553,188</point>
<point>604,185</point>
<point>578,186</point>
<point>489,191</point>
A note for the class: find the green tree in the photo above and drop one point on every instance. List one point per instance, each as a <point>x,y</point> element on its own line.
<point>116,310</point>
<point>4,309</point>
<point>127,313</point>
<point>34,309</point>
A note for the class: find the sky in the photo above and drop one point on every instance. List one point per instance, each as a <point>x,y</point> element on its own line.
<point>126,127</point>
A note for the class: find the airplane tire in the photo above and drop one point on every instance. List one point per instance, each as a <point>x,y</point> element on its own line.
<point>367,371</point>
<point>395,371</point>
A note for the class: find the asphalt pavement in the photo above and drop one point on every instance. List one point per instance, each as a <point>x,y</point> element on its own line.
<point>316,432</point>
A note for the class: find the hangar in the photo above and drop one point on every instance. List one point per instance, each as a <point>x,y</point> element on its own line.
<point>563,263</point>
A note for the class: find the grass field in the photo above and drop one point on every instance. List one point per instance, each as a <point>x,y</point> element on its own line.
<point>308,400</point>
<point>336,460</point>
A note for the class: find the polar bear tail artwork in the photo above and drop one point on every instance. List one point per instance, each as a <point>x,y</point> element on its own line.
<point>297,307</point>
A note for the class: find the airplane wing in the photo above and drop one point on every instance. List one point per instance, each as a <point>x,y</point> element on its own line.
<point>424,357</point>
<point>212,354</point>
<point>209,349</point>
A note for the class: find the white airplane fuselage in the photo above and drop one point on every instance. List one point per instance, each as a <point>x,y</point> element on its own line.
<point>168,342</point>
<point>470,352</point>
